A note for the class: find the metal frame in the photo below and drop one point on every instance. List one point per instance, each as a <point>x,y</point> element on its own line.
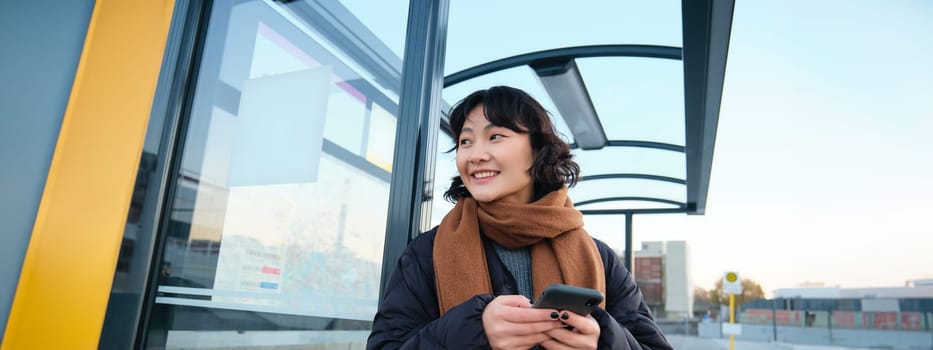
<point>641,144</point>
<point>563,55</point>
<point>632,198</point>
<point>706,30</point>
<point>633,176</point>
<point>338,21</point>
<point>418,123</point>
<point>176,124</point>
<point>569,54</point>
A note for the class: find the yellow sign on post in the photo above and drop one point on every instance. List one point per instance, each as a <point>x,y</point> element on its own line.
<point>732,285</point>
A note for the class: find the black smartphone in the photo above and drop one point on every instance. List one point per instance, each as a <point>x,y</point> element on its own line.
<point>563,297</point>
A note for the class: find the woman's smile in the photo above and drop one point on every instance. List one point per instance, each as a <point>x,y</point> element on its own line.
<point>484,176</point>
<point>493,161</point>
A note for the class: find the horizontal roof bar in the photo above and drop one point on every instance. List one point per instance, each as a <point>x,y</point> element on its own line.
<point>642,144</point>
<point>635,211</point>
<point>633,176</point>
<point>565,54</point>
<point>680,205</point>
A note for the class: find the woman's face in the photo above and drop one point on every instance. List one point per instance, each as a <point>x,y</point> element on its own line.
<point>493,161</point>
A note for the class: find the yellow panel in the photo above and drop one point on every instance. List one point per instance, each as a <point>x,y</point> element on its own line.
<point>68,270</point>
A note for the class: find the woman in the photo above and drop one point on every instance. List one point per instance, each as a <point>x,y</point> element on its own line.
<point>469,282</point>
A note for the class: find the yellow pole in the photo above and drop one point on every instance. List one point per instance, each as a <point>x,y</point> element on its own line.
<point>64,285</point>
<point>731,320</point>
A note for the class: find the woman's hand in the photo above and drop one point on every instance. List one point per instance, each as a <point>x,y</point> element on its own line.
<point>584,334</point>
<point>511,323</point>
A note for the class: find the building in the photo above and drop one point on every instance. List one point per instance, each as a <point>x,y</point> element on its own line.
<point>877,318</point>
<point>871,295</point>
<point>902,308</point>
<point>662,271</point>
<point>649,274</point>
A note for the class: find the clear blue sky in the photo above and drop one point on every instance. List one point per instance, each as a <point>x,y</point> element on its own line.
<point>824,154</point>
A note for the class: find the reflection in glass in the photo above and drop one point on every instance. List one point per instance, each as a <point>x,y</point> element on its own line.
<point>277,224</point>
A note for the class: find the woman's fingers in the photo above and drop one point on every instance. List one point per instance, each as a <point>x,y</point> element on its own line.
<point>581,324</point>
<point>510,322</point>
<point>585,333</point>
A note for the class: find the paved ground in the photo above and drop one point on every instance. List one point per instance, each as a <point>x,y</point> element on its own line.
<point>681,342</point>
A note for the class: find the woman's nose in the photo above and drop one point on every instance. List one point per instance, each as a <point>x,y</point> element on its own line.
<point>479,155</point>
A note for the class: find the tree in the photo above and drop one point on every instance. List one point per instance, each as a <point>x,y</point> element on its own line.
<point>701,297</point>
<point>701,301</point>
<point>751,290</point>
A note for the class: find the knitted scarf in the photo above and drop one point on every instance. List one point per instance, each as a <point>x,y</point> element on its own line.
<point>561,251</point>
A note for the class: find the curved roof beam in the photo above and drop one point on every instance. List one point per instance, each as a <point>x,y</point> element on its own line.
<point>634,176</point>
<point>680,205</point>
<point>642,144</point>
<point>563,55</point>
<point>636,211</point>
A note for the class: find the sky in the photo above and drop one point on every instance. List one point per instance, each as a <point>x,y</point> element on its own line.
<point>823,156</point>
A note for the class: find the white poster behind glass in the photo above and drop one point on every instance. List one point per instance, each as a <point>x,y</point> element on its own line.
<point>277,141</point>
<point>280,127</point>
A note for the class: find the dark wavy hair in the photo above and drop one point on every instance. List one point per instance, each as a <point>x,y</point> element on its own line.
<point>514,109</point>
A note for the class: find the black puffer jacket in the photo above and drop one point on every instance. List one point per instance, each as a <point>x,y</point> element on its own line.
<point>408,315</point>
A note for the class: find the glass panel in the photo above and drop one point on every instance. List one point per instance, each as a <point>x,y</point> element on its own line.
<point>347,131</point>
<point>630,160</point>
<point>595,189</point>
<point>637,98</point>
<point>381,144</point>
<point>445,169</point>
<point>382,18</point>
<point>277,222</point>
<point>544,25</point>
<point>611,160</point>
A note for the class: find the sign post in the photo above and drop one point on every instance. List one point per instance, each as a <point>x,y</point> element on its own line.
<point>732,285</point>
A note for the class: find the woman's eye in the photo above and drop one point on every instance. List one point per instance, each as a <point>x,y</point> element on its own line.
<point>496,136</point>
<point>464,142</point>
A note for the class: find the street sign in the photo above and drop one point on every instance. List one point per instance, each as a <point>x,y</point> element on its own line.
<point>731,283</point>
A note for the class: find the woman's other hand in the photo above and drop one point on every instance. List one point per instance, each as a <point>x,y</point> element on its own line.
<point>584,334</point>
<point>511,323</point>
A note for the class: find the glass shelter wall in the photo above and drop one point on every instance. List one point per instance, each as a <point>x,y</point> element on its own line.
<point>276,213</point>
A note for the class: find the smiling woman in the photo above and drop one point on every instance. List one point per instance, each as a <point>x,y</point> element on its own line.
<point>469,282</point>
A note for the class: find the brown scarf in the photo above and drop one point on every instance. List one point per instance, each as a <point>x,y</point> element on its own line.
<point>561,251</point>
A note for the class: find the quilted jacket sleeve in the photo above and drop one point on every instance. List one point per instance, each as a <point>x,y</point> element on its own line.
<point>408,313</point>
<point>627,322</point>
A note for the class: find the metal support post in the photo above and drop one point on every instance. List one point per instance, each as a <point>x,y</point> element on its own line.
<point>629,254</point>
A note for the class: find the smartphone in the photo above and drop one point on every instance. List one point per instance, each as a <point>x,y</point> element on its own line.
<point>579,300</point>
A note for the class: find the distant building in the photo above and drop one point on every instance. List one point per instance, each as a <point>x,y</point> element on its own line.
<point>916,291</point>
<point>663,275</point>
<point>878,308</point>
<point>926,282</point>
